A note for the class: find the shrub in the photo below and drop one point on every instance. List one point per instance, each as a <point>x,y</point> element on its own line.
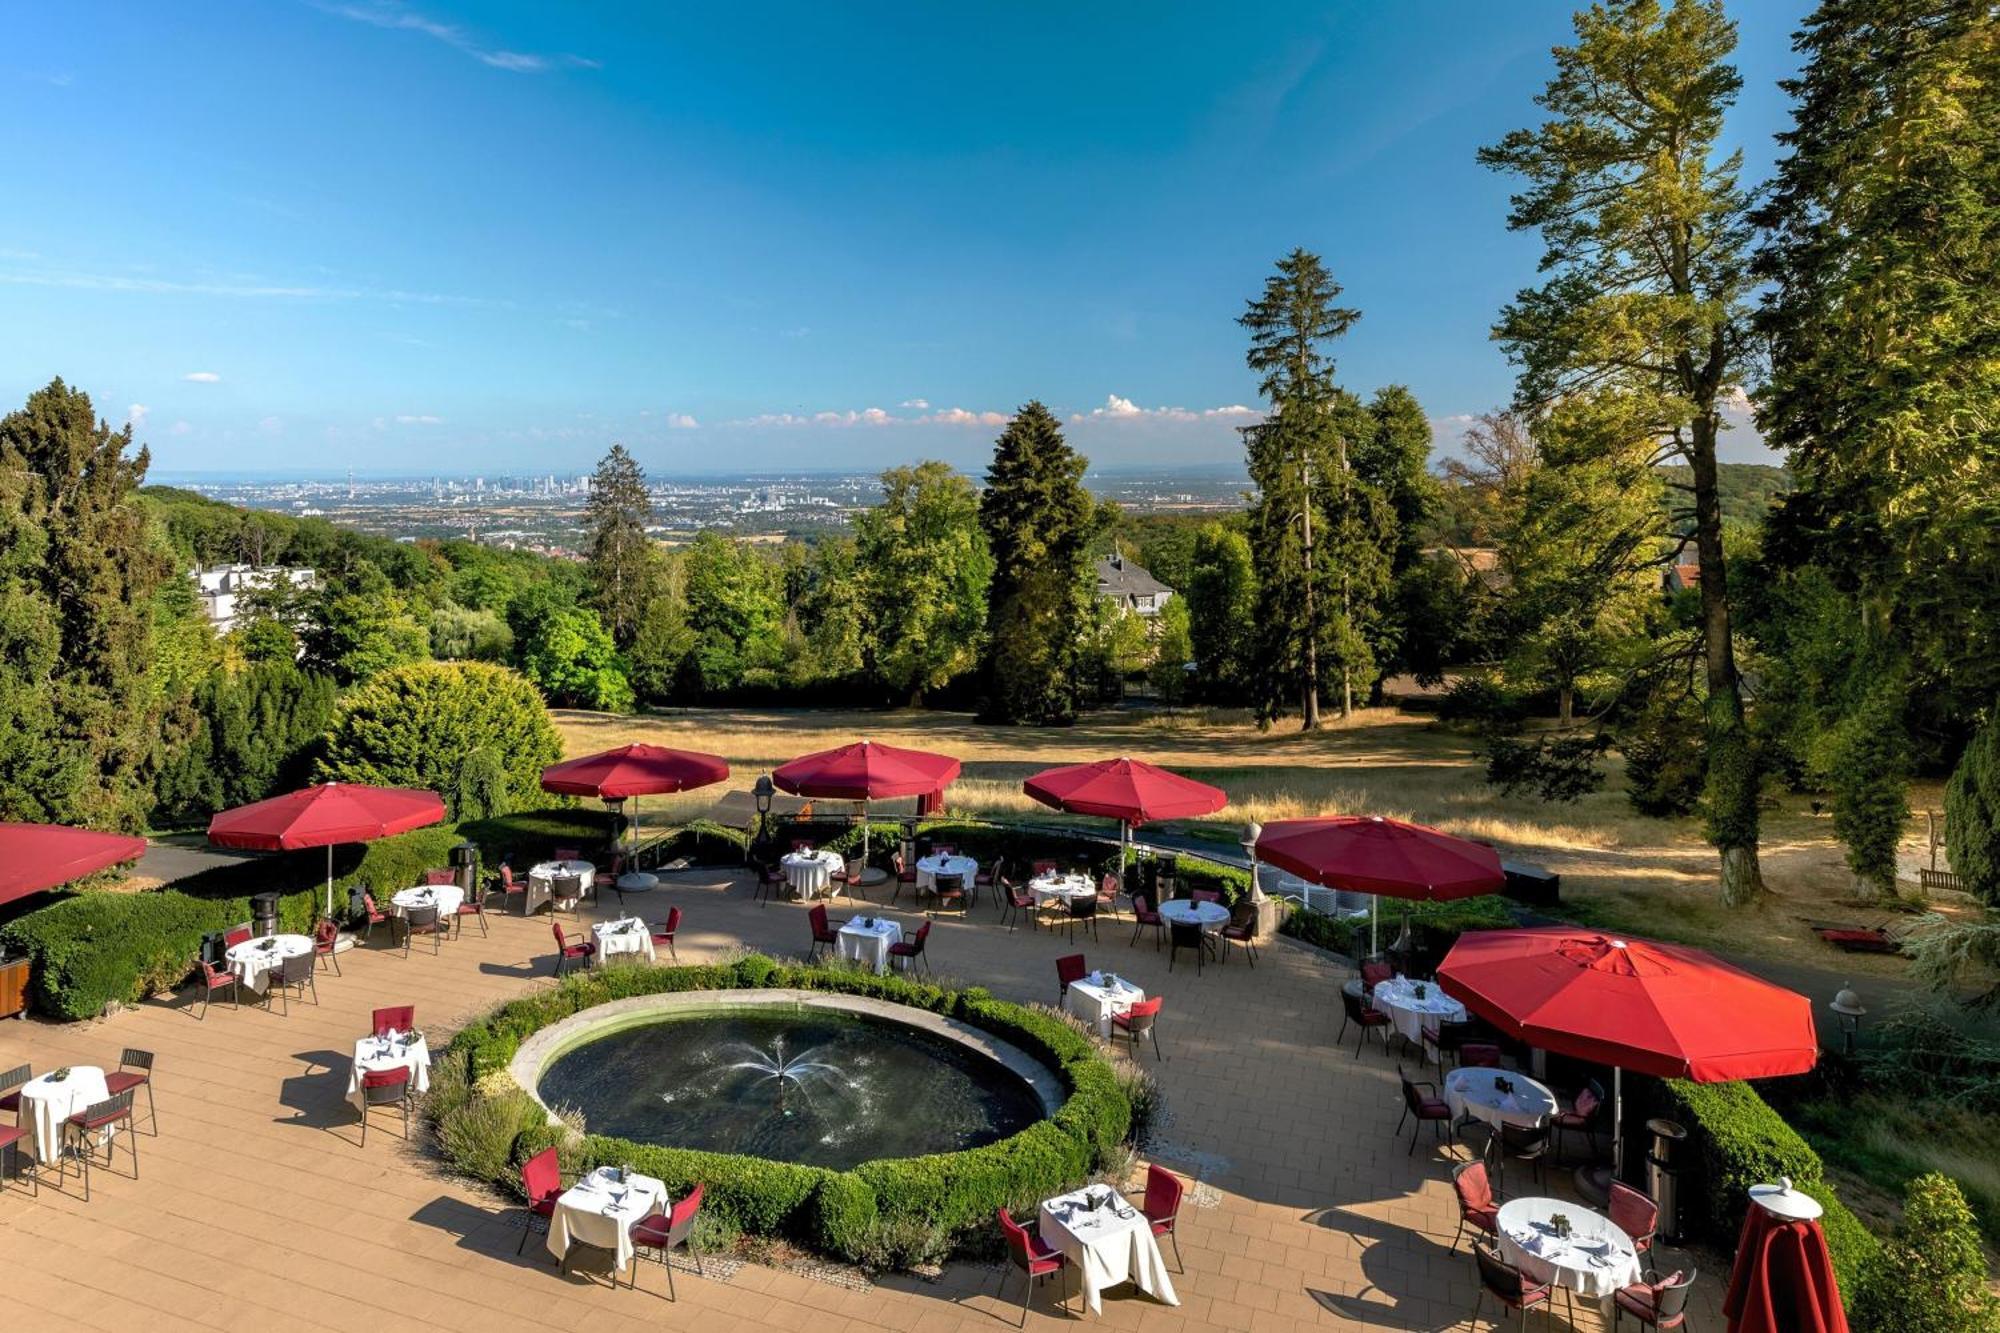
<point>1930,1275</point>
<point>1444,921</point>
<point>1972,814</point>
<point>705,843</point>
<point>96,949</point>
<point>415,726</point>
<point>478,1134</point>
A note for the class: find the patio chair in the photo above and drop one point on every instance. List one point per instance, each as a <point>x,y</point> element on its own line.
<point>541,1183</point>
<point>1070,967</point>
<point>1026,1252</point>
<point>1185,935</point>
<point>437,878</point>
<point>375,917</point>
<point>948,893</point>
<point>912,948</point>
<point>570,952</point>
<point>393,1018</point>
<point>1447,1037</point>
<point>1357,1012</point>
<point>1581,1118</point>
<point>422,921</point>
<point>1634,1213</point>
<point>853,876</point>
<point>768,883</point>
<point>1523,1144</point>
<point>385,1087</point>
<point>135,1071</point>
<point>1108,889</point>
<point>1081,910</point>
<point>325,936</point>
<point>10,1088</point>
<point>943,849</point>
<point>1144,915</point>
<point>905,874</point>
<point>1015,903</point>
<point>83,1131</point>
<point>1661,1304</point>
<point>823,934</point>
<point>213,979</point>
<point>469,906</point>
<point>1478,1055</point>
<point>1241,931</point>
<point>1205,896</point>
<point>1506,1283</point>
<point>510,888</point>
<point>236,935</point>
<point>295,973</point>
<point>1141,1020</point>
<point>665,931</point>
<point>566,888</point>
<point>1042,868</point>
<point>665,1233</point>
<point>1424,1107</point>
<point>1477,1208</point>
<point>567,854</point>
<point>987,875</point>
<point>1163,1206</point>
<point>14,1160</point>
<point>1375,971</point>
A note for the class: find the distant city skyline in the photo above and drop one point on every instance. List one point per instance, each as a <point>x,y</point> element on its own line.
<point>502,236</point>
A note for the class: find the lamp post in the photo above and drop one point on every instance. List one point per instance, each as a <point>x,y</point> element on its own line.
<point>1251,832</point>
<point>1848,1005</point>
<point>762,793</point>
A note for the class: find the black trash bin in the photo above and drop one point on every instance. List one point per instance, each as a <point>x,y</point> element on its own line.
<point>264,913</point>
<point>1666,1164</point>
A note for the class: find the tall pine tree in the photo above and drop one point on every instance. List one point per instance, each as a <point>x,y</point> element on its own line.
<point>1039,522</point>
<point>623,571</point>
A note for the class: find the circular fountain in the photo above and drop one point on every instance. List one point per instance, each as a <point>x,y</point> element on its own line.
<point>799,1076</point>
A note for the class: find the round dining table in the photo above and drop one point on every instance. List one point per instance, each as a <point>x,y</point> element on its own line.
<point>48,1101</point>
<point>1500,1097</point>
<point>401,1050</point>
<point>1595,1259</point>
<point>930,867</point>
<point>445,897</point>
<point>811,873</point>
<point>1412,1004</point>
<point>1187,912</point>
<point>253,961</point>
<point>1059,890</point>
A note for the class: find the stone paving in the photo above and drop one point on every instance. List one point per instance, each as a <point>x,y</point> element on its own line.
<point>257,1207</point>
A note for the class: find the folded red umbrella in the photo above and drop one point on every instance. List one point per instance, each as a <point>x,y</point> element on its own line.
<point>866,771</point>
<point>634,770</point>
<point>1128,790</point>
<point>34,857</point>
<point>1371,854</point>
<point>1783,1279</point>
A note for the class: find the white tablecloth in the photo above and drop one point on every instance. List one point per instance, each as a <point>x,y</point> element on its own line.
<point>445,897</point>
<point>870,944</point>
<point>811,873</point>
<point>1187,912</point>
<point>253,963</point>
<point>1111,1245</point>
<point>375,1054</point>
<point>931,867</point>
<point>541,881</point>
<point>1059,889</point>
<point>1100,995</point>
<point>1476,1092</point>
<point>1595,1261</point>
<point>589,1212</point>
<point>1398,998</point>
<point>45,1104</point>
<point>627,935</point>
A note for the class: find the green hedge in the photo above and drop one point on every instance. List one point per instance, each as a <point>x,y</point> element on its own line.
<point>947,1197</point>
<point>1742,1142</point>
<point>1349,937</point>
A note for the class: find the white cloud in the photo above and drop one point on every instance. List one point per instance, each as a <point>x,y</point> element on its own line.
<point>397,17</point>
<point>918,404</point>
<point>681,421</point>
<point>800,331</point>
<point>123,282</point>
<point>419,419</point>
<point>1737,401</point>
<point>202,377</point>
<point>1118,408</point>
<point>958,416</point>
<point>135,415</point>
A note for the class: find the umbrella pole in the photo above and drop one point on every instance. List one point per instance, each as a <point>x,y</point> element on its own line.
<point>1124,836</point>
<point>1617,1122</point>
<point>864,830</point>
<point>1374,923</point>
<point>329,880</point>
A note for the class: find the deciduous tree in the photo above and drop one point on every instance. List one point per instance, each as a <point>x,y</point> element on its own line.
<point>924,569</point>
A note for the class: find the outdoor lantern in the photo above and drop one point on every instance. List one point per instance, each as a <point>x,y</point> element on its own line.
<point>763,791</point>
<point>1848,1005</point>
<point>1251,832</point>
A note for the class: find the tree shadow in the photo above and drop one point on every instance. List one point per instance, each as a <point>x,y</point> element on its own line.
<point>316,1096</point>
<point>1392,1283</point>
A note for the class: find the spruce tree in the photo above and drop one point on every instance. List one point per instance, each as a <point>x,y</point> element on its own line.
<point>623,571</point>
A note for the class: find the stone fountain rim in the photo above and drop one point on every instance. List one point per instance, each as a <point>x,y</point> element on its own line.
<point>549,1044</point>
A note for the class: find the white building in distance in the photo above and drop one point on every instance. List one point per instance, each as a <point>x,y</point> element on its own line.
<point>1131,587</point>
<point>221,589</point>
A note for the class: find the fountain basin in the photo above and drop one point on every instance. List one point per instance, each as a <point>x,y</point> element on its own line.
<point>812,1077</point>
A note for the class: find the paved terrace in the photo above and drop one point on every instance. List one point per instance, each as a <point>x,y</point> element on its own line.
<point>256,1206</point>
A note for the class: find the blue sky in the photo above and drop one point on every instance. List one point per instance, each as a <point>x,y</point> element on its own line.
<point>457,237</point>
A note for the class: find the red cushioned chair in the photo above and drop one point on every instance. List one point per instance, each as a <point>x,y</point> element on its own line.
<point>568,854</point>
<point>1241,931</point>
<point>1478,1055</point>
<point>1661,1304</point>
<point>396,1017</point>
<point>1359,1013</point>
<point>824,936</point>
<point>1042,868</point>
<point>135,1070</point>
<point>1026,1252</point>
<point>82,1132</point>
<point>1163,1206</point>
<point>1070,967</point>
<point>1016,902</point>
<point>511,888</point>
<point>376,917</point>
<point>1374,972</point>
<point>435,878</point>
<point>541,1182</point>
<point>768,883</point>
<point>1477,1207</point>
<point>1635,1214</point>
<point>236,935</point>
<point>14,1160</point>
<point>1205,896</point>
<point>1144,915</point>
<point>325,936</point>
<point>913,947</point>
<point>1447,1037</point>
<point>385,1087</point>
<point>213,979</point>
<point>1141,1020</point>
<point>664,932</point>
<point>1501,1279</point>
<point>1581,1118</point>
<point>664,1233</point>
<point>1424,1107</point>
<point>1107,893</point>
<point>570,952</point>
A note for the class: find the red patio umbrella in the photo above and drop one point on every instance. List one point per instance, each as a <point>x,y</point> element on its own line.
<point>1128,790</point>
<point>866,771</point>
<point>34,857</point>
<point>1662,1009</point>
<point>1384,857</point>
<point>1783,1279</point>
<point>633,771</point>
<point>321,816</point>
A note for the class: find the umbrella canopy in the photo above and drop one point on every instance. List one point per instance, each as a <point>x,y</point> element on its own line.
<point>34,857</point>
<point>634,770</point>
<point>1127,790</point>
<point>321,816</point>
<point>1661,1009</point>
<point>1783,1279</point>
<point>1370,854</point>
<point>866,771</point>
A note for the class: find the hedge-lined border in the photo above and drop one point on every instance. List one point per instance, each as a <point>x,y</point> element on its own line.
<point>947,1196</point>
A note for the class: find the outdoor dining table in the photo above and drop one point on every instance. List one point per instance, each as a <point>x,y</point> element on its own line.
<point>1475,1091</point>
<point>391,1050</point>
<point>599,1211</point>
<point>811,873</point>
<point>1107,1245</point>
<point>930,867</point>
<point>445,897</point>
<point>1408,1011</point>
<point>1187,912</point>
<point>253,961</point>
<point>1595,1260</point>
<point>1056,890</point>
<point>616,939</point>
<point>1098,996</point>
<point>867,940</point>
<point>542,879</point>
<point>48,1101</point>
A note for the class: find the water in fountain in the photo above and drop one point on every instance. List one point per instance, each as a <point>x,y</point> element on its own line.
<point>811,1086</point>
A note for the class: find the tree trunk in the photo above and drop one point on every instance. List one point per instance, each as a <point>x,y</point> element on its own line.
<point>1732,786</point>
<point>1309,705</point>
<point>1566,704</point>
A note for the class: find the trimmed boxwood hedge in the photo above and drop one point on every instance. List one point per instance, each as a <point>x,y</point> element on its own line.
<point>949,1196</point>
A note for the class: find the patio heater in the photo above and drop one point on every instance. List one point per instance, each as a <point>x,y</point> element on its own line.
<point>1251,832</point>
<point>762,794</point>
